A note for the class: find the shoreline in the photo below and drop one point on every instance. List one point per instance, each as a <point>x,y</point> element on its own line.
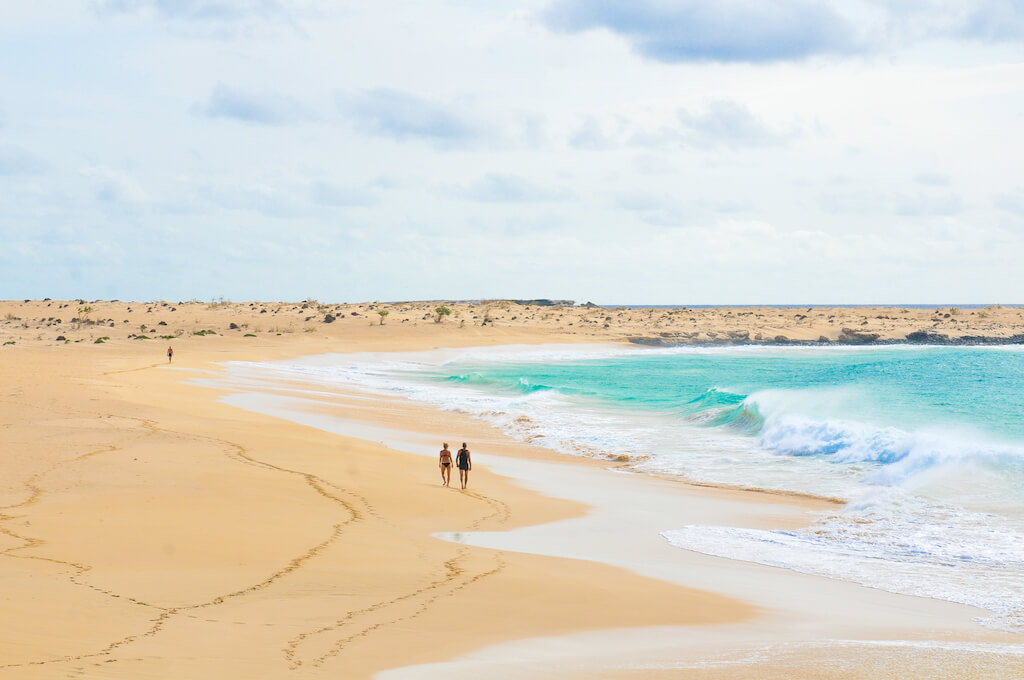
<point>918,614</point>
<point>207,541</point>
<point>148,527</point>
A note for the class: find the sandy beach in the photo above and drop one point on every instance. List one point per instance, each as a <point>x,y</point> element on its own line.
<point>164,519</point>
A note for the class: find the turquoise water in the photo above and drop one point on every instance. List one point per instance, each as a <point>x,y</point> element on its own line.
<point>982,388</point>
<point>902,407</point>
<point>924,446</point>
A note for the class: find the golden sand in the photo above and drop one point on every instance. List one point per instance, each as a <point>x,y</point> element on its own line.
<point>149,530</point>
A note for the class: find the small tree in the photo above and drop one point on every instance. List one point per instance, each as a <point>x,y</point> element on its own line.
<point>83,315</point>
<point>382,313</point>
<point>441,312</point>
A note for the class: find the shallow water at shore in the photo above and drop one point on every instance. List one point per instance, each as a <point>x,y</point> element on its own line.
<point>924,444</point>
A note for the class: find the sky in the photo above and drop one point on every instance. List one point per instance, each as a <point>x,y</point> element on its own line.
<point>619,151</point>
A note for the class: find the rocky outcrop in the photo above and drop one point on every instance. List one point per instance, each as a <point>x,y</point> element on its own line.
<point>544,302</point>
<point>849,336</point>
<point>928,338</point>
<point>934,338</point>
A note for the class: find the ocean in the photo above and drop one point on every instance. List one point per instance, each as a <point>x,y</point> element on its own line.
<point>923,445</point>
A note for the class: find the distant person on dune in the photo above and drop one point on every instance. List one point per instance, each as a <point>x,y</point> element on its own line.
<point>465,465</point>
<point>445,463</point>
<point>170,354</point>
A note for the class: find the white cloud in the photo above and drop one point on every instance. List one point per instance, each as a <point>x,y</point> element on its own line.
<point>353,147</point>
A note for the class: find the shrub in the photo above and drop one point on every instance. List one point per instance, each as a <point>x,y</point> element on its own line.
<point>382,313</point>
<point>441,312</point>
<point>100,341</point>
<point>251,335</point>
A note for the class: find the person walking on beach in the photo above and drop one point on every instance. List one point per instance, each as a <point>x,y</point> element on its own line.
<point>170,354</point>
<point>465,465</point>
<point>445,463</point>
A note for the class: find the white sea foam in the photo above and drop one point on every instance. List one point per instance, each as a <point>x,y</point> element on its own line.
<point>894,542</point>
<point>912,525</point>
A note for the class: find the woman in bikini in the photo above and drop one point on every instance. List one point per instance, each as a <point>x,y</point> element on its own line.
<point>445,464</point>
<point>465,465</point>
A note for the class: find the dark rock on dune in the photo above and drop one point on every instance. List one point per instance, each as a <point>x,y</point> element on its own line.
<point>329,318</point>
<point>61,338</point>
<point>928,337</point>
<point>544,302</point>
<point>658,341</point>
<point>849,336</point>
<point>233,326</point>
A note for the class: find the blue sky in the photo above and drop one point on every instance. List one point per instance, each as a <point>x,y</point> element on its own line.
<point>621,151</point>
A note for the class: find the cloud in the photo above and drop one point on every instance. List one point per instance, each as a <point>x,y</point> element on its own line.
<point>728,123</point>
<point>16,161</point>
<point>263,199</point>
<point>724,30</point>
<point>654,209</point>
<point>994,21</point>
<point>1011,202</point>
<point>723,124</point>
<point>924,205</point>
<point>403,116</point>
<point>326,193</point>
<point>257,108</point>
<point>112,187</point>
<point>495,188</point>
<point>867,202</point>
<point>197,10</point>
<point>589,136</point>
<point>933,179</point>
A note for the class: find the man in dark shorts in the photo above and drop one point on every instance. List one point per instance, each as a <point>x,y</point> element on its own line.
<point>170,354</point>
<point>465,465</point>
<point>445,463</point>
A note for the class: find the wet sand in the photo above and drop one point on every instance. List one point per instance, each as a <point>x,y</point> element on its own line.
<point>148,527</point>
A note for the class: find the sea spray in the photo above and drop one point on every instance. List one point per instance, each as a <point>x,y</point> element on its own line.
<point>926,443</point>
